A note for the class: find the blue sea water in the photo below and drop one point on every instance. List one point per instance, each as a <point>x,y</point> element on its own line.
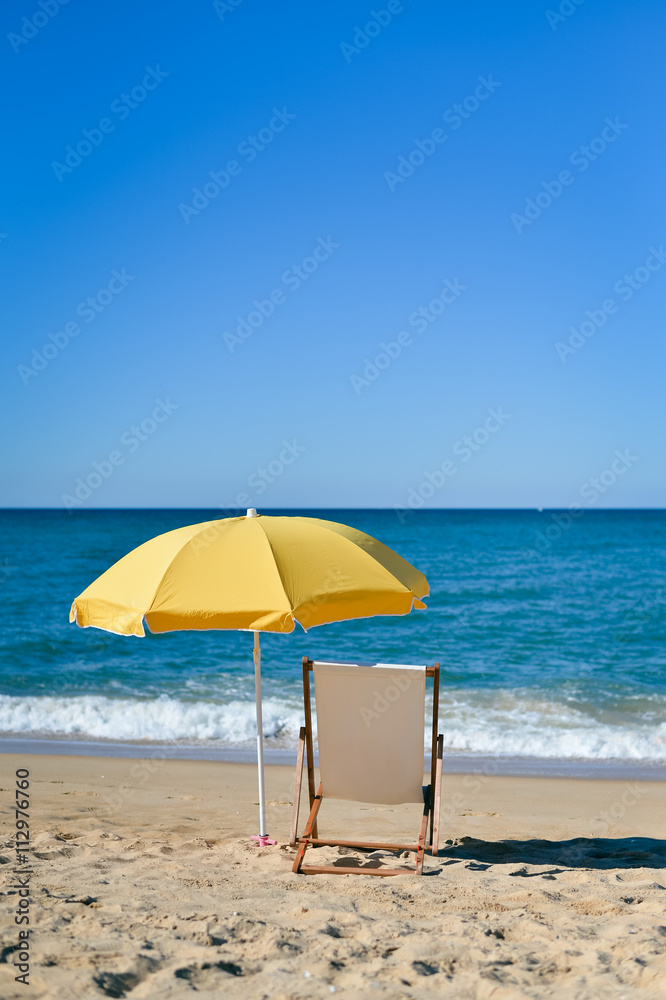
<point>550,632</point>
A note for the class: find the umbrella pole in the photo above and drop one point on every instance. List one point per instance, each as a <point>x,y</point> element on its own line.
<point>262,836</point>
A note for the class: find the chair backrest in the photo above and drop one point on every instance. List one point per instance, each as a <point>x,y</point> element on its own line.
<point>370,727</point>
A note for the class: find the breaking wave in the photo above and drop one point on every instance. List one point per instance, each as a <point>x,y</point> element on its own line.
<point>511,723</point>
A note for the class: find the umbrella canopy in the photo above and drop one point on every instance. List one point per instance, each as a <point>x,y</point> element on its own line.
<point>256,573</point>
<point>261,574</point>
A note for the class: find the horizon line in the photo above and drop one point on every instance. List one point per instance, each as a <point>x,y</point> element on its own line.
<point>418,510</point>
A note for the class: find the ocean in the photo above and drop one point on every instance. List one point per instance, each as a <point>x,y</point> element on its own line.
<point>549,630</point>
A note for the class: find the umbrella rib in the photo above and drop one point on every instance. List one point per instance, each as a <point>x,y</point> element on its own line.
<point>368,555</point>
<point>277,568</point>
<point>204,527</point>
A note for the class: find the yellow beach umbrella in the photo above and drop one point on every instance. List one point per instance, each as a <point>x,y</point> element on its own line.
<point>257,573</point>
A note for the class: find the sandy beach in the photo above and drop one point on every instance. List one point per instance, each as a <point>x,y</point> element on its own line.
<point>145,884</point>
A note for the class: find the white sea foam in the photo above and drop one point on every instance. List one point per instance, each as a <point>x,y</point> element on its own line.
<point>156,719</point>
<point>524,723</point>
<point>534,736</point>
<point>507,723</point>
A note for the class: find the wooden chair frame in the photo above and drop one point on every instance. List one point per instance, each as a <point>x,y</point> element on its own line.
<point>309,837</point>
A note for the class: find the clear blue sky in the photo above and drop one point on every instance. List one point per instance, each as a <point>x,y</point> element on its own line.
<point>179,89</point>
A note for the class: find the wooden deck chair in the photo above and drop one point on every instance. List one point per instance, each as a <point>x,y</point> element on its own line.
<point>370,726</point>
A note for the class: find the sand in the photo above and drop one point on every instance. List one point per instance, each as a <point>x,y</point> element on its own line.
<point>145,884</point>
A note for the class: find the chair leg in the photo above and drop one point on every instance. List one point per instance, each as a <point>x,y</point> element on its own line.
<point>424,831</point>
<point>307,705</point>
<point>433,744</point>
<point>437,797</point>
<point>307,833</point>
<point>298,783</point>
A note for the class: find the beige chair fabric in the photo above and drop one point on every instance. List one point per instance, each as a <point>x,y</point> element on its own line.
<point>370,726</point>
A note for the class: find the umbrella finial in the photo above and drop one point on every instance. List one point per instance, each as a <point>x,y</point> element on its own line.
<point>251,512</point>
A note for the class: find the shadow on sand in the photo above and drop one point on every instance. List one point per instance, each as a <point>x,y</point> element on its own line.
<point>582,852</point>
<point>555,856</point>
